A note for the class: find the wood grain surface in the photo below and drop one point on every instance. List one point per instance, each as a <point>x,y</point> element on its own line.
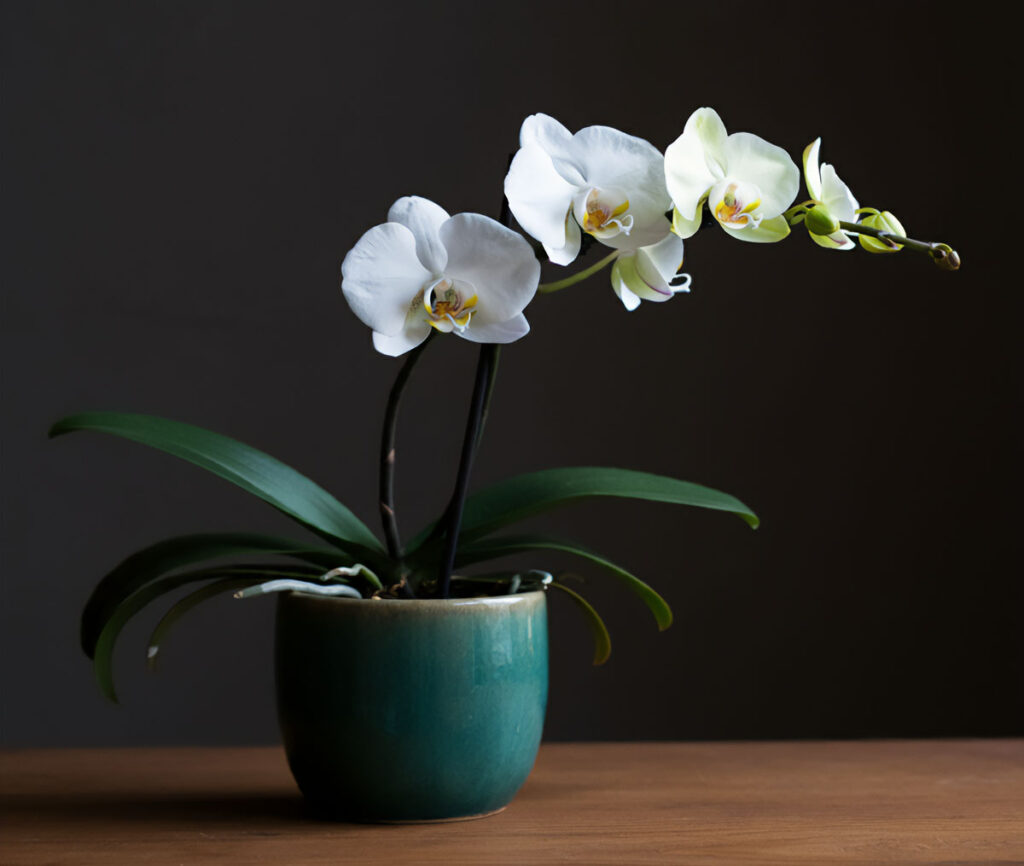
<point>936,802</point>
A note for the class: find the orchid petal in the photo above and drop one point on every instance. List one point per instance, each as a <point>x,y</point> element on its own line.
<point>685,228</point>
<point>381,276</point>
<point>416,332</point>
<point>615,159</point>
<point>498,263</point>
<point>566,255</point>
<point>557,142</point>
<point>836,196</point>
<point>768,232</point>
<point>641,235</point>
<point>423,218</point>
<point>752,159</point>
<point>812,171</point>
<point>695,161</point>
<point>665,258</point>
<point>634,284</point>
<point>836,241</point>
<point>496,332</point>
<point>710,129</point>
<point>540,198</point>
<point>629,299</point>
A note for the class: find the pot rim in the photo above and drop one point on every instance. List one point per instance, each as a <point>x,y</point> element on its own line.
<point>475,601</point>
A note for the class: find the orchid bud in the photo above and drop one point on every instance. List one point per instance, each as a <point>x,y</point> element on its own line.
<point>945,257</point>
<point>819,221</point>
<point>886,222</point>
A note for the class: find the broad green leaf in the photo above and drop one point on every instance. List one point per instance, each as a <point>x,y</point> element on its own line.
<point>186,603</point>
<point>151,562</point>
<point>598,630</point>
<point>527,495</point>
<point>260,474</point>
<point>486,549</point>
<point>103,659</point>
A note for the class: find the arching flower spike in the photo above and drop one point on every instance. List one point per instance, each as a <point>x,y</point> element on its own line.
<point>830,193</point>
<point>600,181</point>
<point>746,181</point>
<point>424,270</point>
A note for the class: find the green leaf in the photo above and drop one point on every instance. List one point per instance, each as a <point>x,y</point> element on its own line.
<point>151,562</point>
<point>598,630</point>
<point>186,603</point>
<point>260,474</point>
<point>524,496</point>
<point>493,548</point>
<point>103,659</point>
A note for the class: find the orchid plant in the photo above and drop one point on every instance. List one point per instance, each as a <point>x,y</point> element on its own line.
<point>425,273</point>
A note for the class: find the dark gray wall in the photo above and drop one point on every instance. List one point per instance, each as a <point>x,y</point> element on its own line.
<point>181,182</point>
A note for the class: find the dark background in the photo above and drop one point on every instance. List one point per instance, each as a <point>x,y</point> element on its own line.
<point>180,184</point>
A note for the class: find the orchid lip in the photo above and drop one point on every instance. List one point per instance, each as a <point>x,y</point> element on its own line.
<point>447,308</point>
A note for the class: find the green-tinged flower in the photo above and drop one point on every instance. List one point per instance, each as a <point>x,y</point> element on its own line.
<point>650,273</point>
<point>834,202</point>
<point>746,181</point>
<point>886,222</point>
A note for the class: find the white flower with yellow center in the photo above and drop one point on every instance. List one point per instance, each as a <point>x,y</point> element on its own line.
<point>746,181</point>
<point>600,181</point>
<point>829,192</point>
<point>424,270</point>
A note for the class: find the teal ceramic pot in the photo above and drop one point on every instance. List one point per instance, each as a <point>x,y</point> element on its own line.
<point>411,710</point>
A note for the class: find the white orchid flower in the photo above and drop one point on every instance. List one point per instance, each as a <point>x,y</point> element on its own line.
<point>650,273</point>
<point>746,181</point>
<point>600,181</point>
<point>829,192</point>
<point>424,270</point>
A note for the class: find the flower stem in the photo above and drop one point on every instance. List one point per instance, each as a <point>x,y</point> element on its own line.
<point>580,276</point>
<point>453,515</point>
<point>942,254</point>
<point>488,394</point>
<point>387,451</point>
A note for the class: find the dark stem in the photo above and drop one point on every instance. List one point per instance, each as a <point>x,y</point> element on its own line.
<point>490,393</point>
<point>387,452</point>
<point>453,515</point>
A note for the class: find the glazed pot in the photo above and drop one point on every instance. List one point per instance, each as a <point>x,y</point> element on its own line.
<point>411,710</point>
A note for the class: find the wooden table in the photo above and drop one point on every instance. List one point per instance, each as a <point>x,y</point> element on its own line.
<point>940,802</point>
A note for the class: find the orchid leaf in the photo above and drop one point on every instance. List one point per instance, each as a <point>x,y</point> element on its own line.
<point>493,548</point>
<point>524,496</point>
<point>255,472</point>
<point>598,630</point>
<point>158,559</point>
<point>186,603</point>
<point>103,657</point>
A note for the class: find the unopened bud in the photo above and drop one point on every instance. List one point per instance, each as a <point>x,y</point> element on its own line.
<point>820,222</point>
<point>885,222</point>
<point>945,257</point>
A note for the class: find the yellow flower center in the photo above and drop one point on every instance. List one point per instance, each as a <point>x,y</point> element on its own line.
<point>731,210</point>
<point>602,214</point>
<point>447,310</point>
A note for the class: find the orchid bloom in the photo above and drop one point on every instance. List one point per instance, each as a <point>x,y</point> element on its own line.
<point>830,193</point>
<point>600,181</point>
<point>424,270</point>
<point>746,181</point>
<point>650,273</point>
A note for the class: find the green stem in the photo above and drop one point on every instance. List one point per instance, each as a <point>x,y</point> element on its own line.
<point>387,451</point>
<point>558,285</point>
